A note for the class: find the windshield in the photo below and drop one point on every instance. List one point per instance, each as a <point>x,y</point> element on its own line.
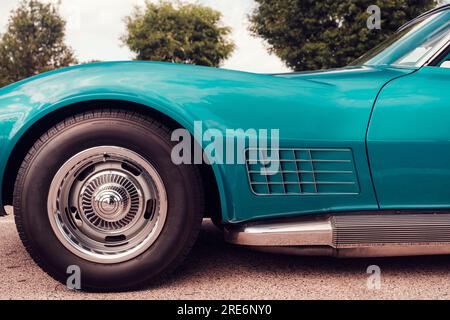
<point>413,45</point>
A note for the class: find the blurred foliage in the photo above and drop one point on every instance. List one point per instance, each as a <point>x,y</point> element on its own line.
<point>310,34</point>
<point>33,42</point>
<point>181,33</point>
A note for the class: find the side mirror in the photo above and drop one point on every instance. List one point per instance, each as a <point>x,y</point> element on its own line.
<point>445,64</point>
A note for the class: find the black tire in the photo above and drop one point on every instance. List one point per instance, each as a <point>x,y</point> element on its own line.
<point>142,135</point>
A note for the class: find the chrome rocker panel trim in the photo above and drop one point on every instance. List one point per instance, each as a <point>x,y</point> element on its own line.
<point>349,235</point>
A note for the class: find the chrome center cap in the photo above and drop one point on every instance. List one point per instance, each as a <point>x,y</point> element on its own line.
<point>111,202</point>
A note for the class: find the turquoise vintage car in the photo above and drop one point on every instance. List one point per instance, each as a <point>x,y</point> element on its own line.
<point>361,154</point>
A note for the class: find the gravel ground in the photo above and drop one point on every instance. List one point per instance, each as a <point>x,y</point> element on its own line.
<point>216,270</point>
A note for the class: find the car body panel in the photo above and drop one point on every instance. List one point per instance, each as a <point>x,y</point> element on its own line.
<point>409,141</point>
<point>312,110</point>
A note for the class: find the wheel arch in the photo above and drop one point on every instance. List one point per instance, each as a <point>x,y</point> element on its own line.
<point>214,195</point>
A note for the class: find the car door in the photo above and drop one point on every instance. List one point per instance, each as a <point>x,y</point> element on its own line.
<point>409,140</point>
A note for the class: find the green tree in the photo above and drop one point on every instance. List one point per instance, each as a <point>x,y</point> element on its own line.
<point>33,42</point>
<point>181,33</point>
<point>310,34</point>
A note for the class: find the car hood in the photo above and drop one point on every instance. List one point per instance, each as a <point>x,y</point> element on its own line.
<point>357,76</point>
<point>188,72</point>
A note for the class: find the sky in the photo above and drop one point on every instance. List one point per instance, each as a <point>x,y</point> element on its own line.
<point>95,26</point>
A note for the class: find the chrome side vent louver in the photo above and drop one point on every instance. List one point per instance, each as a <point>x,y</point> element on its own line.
<point>302,172</point>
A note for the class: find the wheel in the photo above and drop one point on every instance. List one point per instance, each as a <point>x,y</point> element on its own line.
<point>99,191</point>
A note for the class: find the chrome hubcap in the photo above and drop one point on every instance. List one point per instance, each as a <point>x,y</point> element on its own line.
<point>107,204</point>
